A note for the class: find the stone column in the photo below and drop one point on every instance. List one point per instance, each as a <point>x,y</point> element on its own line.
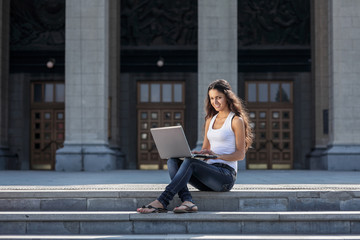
<point>320,75</point>
<point>344,95</point>
<point>4,77</point>
<point>86,97</point>
<point>114,80</point>
<point>217,50</point>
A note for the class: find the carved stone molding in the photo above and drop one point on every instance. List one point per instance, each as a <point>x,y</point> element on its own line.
<point>273,23</point>
<point>158,22</point>
<point>37,25</point>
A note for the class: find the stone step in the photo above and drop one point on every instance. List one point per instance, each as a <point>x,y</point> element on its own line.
<point>183,237</point>
<point>121,222</point>
<point>247,199</point>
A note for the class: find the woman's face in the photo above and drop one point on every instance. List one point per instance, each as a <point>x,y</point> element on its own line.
<point>218,100</point>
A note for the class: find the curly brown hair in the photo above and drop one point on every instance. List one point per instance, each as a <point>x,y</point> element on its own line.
<point>235,105</point>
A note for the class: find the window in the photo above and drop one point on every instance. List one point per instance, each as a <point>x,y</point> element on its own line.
<point>48,92</point>
<point>265,92</point>
<point>155,92</point>
<point>167,93</point>
<point>60,92</point>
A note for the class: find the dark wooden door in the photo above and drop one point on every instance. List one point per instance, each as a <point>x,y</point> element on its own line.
<point>47,127</point>
<point>160,104</point>
<point>270,106</point>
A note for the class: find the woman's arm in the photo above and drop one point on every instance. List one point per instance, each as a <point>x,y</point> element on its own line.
<point>238,127</point>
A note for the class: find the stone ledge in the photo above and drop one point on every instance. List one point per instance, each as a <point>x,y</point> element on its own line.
<point>65,216</point>
<point>161,187</point>
<point>185,237</point>
<point>194,223</point>
<point>347,191</point>
<point>170,216</point>
<point>129,200</point>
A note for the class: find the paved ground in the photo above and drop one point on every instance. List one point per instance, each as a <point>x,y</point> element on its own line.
<point>130,179</point>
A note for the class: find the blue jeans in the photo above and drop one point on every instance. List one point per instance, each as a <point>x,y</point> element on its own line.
<point>203,176</point>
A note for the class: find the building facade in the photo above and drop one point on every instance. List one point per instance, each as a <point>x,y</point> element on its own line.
<point>83,81</point>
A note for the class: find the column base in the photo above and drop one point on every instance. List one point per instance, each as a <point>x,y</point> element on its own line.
<point>317,159</point>
<point>343,157</point>
<point>69,158</point>
<point>74,157</point>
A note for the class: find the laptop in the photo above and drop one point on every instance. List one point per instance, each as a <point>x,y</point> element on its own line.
<point>171,143</point>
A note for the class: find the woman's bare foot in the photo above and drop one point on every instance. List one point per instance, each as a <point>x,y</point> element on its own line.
<point>185,207</point>
<point>155,204</point>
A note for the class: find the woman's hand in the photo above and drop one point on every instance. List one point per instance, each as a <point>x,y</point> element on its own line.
<point>205,151</point>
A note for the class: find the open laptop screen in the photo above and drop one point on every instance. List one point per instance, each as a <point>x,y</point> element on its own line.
<point>171,142</point>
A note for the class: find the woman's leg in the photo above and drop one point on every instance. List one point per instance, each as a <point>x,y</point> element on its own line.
<point>215,178</point>
<point>220,180</point>
<point>173,167</point>
<point>201,174</point>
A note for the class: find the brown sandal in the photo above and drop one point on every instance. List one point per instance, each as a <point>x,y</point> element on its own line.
<point>156,210</point>
<point>188,209</point>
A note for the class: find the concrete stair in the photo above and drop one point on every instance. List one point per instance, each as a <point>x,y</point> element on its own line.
<point>262,212</point>
<point>101,222</point>
<point>183,237</point>
<point>248,199</point>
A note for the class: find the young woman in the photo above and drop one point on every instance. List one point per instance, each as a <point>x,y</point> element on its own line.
<point>227,135</point>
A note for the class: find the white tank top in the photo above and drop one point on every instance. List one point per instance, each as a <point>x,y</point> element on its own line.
<point>222,140</point>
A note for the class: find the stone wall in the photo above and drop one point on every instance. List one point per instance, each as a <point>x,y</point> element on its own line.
<point>4,75</point>
<point>19,120</point>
